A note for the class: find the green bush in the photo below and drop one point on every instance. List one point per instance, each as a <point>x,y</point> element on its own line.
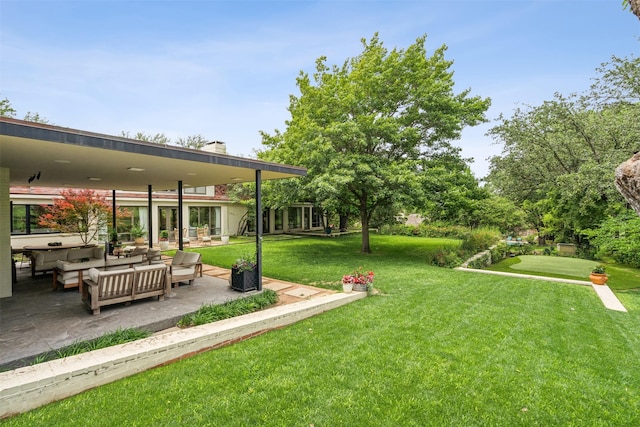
<point>213,312</point>
<point>480,240</point>
<point>119,336</point>
<point>481,262</point>
<point>499,252</point>
<point>446,258</point>
<point>425,230</point>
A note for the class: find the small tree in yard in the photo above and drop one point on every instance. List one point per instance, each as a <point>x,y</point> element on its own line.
<point>77,211</point>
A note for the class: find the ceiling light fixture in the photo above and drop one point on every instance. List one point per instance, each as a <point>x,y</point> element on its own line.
<point>92,178</point>
<point>132,169</point>
<point>62,161</point>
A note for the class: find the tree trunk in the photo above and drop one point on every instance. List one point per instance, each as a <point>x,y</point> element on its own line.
<point>364,220</point>
<point>344,222</point>
<point>628,181</point>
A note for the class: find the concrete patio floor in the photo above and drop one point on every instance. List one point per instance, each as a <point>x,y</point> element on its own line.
<point>38,319</point>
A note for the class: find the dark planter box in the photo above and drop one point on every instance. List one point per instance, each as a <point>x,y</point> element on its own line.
<point>244,281</point>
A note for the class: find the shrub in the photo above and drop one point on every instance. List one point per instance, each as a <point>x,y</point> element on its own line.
<point>480,240</point>
<point>213,312</point>
<point>499,252</point>
<point>449,258</point>
<point>481,262</point>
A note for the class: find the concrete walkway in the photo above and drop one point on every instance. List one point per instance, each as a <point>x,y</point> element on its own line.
<point>606,295</point>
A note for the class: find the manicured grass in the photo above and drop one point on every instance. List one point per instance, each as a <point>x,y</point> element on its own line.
<point>436,347</point>
<point>556,265</point>
<point>620,277</point>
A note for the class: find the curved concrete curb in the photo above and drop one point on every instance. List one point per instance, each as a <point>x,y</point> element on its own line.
<point>27,388</point>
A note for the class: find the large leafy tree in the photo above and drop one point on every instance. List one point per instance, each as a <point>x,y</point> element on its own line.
<point>85,212</point>
<point>565,151</point>
<point>363,129</point>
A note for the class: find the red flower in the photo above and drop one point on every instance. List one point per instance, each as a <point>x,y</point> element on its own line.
<point>359,277</point>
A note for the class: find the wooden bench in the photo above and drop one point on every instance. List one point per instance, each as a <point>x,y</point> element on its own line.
<point>103,288</point>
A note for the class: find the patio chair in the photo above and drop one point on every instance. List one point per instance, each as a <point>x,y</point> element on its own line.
<point>154,256</point>
<point>185,267</point>
<point>206,236</point>
<point>186,241</point>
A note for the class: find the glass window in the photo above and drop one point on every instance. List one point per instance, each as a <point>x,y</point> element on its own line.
<point>24,220</point>
<point>194,190</point>
<point>199,216</point>
<point>295,217</point>
<point>316,217</point>
<point>278,219</point>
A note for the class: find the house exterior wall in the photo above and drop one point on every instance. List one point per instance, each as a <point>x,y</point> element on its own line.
<point>231,214</point>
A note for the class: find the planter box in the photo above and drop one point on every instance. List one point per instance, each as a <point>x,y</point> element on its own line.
<point>244,281</point>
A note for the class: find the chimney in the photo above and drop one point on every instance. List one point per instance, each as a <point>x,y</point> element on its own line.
<point>217,147</point>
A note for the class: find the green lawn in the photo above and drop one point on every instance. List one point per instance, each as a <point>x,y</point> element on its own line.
<point>620,278</point>
<point>436,347</point>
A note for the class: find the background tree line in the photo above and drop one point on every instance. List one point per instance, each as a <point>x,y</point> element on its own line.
<point>559,158</point>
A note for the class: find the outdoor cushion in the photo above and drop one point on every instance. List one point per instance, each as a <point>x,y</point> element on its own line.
<point>76,254</point>
<point>75,266</point>
<point>49,256</point>
<point>178,257</point>
<point>114,261</point>
<point>190,258</point>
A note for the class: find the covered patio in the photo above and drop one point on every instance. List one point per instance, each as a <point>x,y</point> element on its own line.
<point>52,156</point>
<point>37,320</point>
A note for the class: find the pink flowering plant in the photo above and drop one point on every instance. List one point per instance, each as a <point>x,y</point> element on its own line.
<point>359,277</point>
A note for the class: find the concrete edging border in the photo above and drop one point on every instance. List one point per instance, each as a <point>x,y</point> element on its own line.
<point>27,388</point>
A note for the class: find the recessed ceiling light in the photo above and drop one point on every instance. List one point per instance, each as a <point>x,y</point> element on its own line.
<point>236,179</point>
<point>62,161</point>
<point>192,174</point>
<point>91,178</point>
<point>135,169</point>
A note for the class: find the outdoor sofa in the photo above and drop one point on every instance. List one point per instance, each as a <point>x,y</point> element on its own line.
<point>43,261</point>
<point>103,288</point>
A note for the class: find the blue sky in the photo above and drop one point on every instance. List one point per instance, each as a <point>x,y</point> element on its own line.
<point>225,69</point>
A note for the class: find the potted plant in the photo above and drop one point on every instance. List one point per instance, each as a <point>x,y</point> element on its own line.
<point>224,238</point>
<point>113,241</point>
<point>244,274</point>
<point>163,240</point>
<point>358,280</point>
<point>598,275</point>
<point>137,233</point>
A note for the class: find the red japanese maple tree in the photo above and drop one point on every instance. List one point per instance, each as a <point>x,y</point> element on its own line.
<point>77,211</point>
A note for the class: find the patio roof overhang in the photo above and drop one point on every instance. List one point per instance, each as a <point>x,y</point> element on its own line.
<point>42,155</point>
<point>77,159</point>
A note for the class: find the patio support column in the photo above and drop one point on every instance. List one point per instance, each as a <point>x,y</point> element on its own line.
<point>180,243</point>
<point>113,209</point>
<point>259,226</point>
<point>6,267</point>
<point>149,216</point>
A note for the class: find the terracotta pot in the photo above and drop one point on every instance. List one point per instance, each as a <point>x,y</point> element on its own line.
<point>598,278</point>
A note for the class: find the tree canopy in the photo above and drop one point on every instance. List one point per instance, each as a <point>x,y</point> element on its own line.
<point>77,211</point>
<point>364,129</point>
<point>562,155</point>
